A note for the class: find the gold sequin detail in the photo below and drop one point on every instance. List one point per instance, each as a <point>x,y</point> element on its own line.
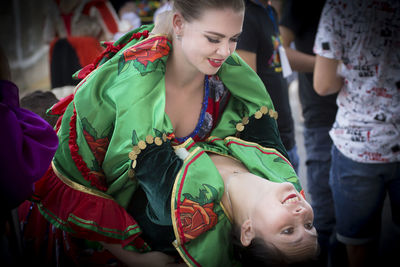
<point>245,120</point>
<point>149,139</point>
<point>132,155</point>
<point>239,127</point>
<point>271,113</point>
<point>136,149</point>
<point>264,110</point>
<point>258,115</point>
<point>164,137</point>
<point>142,144</point>
<point>158,141</point>
<point>134,164</point>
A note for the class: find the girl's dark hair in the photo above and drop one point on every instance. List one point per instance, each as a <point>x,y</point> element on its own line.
<point>260,253</point>
<point>193,9</point>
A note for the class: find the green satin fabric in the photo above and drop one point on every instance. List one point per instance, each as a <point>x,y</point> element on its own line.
<point>118,104</point>
<point>124,102</point>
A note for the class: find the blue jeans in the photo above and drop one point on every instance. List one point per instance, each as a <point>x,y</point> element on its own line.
<point>318,145</point>
<point>359,191</point>
<point>294,158</point>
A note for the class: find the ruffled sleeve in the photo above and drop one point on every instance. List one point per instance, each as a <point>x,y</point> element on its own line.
<point>28,144</point>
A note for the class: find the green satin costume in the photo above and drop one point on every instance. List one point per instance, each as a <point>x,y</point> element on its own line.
<point>115,136</point>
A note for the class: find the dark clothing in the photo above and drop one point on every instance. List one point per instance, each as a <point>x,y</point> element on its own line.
<point>64,63</point>
<point>260,36</point>
<point>39,102</point>
<point>28,144</point>
<point>318,111</point>
<point>319,114</point>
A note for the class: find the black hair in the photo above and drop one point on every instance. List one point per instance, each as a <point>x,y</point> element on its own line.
<point>260,253</point>
<point>38,102</point>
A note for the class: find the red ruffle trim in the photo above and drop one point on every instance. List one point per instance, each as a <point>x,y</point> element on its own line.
<point>78,160</point>
<point>85,215</point>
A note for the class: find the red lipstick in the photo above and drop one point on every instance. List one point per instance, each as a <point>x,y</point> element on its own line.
<point>215,64</point>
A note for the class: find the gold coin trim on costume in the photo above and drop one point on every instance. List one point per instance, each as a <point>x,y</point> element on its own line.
<point>136,149</point>
<point>271,113</point>
<point>132,155</point>
<point>239,127</point>
<point>258,114</point>
<point>158,141</point>
<point>134,164</point>
<point>245,120</point>
<point>149,139</point>
<point>142,145</point>
<point>264,110</point>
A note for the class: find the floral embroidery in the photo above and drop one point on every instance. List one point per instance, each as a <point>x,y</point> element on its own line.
<point>97,146</point>
<point>145,56</point>
<point>108,53</point>
<point>197,214</point>
<point>95,180</point>
<point>197,219</point>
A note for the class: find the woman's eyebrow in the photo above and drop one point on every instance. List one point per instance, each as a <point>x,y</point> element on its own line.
<point>215,33</point>
<point>220,34</point>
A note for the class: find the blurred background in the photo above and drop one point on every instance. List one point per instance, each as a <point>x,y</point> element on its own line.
<point>21,34</point>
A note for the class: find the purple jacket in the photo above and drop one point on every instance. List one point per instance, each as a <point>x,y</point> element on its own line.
<point>27,143</point>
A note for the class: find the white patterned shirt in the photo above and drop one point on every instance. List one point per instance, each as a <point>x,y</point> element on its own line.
<point>365,36</point>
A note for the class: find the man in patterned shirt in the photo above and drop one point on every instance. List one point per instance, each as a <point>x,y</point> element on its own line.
<point>361,37</point>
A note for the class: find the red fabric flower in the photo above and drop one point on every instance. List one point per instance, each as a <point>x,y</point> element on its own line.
<point>196,219</point>
<point>97,146</point>
<point>147,51</point>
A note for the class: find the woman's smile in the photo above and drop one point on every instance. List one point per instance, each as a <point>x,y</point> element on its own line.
<point>216,63</point>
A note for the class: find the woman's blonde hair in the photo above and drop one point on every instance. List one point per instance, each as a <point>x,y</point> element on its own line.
<point>192,10</point>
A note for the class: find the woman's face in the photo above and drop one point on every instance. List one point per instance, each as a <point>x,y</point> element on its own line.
<point>285,219</point>
<point>207,42</point>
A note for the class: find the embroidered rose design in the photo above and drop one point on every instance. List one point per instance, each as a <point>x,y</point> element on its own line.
<point>196,219</point>
<point>198,214</point>
<point>97,146</point>
<point>145,56</point>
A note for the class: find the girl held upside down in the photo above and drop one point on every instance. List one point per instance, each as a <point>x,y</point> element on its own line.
<point>168,146</point>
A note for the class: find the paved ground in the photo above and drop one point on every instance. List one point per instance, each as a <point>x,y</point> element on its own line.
<point>390,238</point>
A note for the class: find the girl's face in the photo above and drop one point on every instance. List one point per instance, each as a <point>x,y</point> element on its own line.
<point>285,219</point>
<point>207,42</point>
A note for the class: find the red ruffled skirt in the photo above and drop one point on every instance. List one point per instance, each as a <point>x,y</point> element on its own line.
<point>61,226</point>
